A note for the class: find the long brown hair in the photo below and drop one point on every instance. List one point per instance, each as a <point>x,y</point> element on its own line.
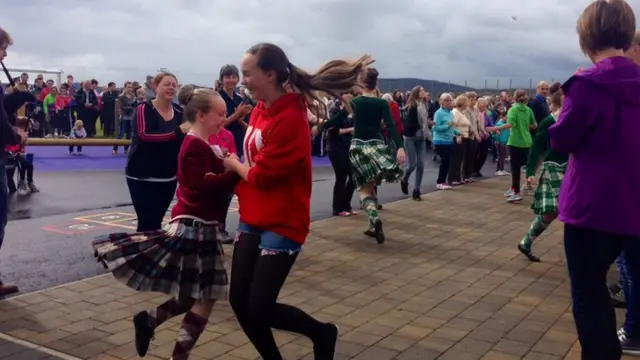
<point>414,97</point>
<point>334,77</point>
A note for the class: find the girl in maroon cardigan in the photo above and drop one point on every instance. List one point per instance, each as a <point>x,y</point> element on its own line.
<point>185,260</point>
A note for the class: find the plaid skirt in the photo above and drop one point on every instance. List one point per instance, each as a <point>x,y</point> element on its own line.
<point>545,198</point>
<point>371,160</point>
<point>185,260</point>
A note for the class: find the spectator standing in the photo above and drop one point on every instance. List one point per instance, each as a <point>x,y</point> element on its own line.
<point>126,102</point>
<point>8,136</point>
<point>108,112</point>
<point>87,107</point>
<point>150,88</point>
<point>237,112</point>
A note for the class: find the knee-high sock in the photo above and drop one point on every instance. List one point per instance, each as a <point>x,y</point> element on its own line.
<point>192,327</point>
<point>168,309</point>
<point>537,227</point>
<point>370,206</point>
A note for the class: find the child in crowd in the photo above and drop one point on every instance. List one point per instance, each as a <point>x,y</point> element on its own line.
<point>25,181</point>
<point>224,142</point>
<point>78,132</point>
<point>501,138</point>
<point>141,96</point>
<point>62,112</point>
<point>48,106</point>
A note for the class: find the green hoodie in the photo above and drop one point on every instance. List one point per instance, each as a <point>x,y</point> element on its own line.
<point>520,117</point>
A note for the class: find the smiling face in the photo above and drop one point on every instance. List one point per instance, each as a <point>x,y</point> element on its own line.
<point>213,121</point>
<point>259,82</point>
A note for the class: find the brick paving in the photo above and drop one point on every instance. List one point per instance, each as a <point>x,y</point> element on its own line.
<point>448,284</point>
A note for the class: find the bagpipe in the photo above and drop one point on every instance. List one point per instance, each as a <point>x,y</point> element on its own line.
<point>14,100</point>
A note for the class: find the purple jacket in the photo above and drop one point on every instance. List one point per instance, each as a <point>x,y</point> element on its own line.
<point>600,127</point>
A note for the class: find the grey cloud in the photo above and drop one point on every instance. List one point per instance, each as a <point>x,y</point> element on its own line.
<point>473,41</point>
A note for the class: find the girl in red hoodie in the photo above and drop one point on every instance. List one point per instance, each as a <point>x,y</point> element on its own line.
<point>274,195</point>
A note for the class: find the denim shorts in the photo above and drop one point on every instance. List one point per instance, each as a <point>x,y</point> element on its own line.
<point>270,242</point>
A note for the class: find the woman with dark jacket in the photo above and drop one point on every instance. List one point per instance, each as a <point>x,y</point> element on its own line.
<point>414,141</point>
<point>338,141</point>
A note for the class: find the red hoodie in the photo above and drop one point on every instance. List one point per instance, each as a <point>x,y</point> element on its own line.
<point>62,102</point>
<point>277,195</point>
<point>397,118</point>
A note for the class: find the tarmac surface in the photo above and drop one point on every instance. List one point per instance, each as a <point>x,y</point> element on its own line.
<point>48,238</point>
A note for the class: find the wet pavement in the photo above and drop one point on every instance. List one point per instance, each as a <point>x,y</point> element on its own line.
<point>48,240</point>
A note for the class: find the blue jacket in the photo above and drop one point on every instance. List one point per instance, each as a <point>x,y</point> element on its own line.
<point>443,132</point>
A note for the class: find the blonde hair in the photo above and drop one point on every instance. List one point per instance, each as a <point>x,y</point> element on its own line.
<point>606,24</point>
<point>414,97</point>
<point>471,95</point>
<point>79,124</point>
<point>461,101</point>
<point>482,100</point>
<point>387,97</point>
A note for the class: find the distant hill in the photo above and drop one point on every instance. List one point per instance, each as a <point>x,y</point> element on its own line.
<point>433,86</point>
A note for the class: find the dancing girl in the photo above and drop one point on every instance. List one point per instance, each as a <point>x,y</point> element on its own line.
<point>185,260</point>
<point>371,160</point>
<point>275,192</point>
<point>554,165</point>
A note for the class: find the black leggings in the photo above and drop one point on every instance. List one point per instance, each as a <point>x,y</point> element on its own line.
<point>518,160</point>
<point>151,199</point>
<point>256,281</point>
<point>26,169</point>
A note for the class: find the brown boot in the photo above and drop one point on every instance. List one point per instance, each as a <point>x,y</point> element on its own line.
<point>7,289</point>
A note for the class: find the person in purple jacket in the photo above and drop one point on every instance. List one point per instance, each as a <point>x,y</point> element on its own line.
<point>599,203</point>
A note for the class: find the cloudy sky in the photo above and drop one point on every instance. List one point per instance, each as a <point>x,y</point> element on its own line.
<point>457,41</point>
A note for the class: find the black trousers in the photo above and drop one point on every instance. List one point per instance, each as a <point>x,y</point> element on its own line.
<point>344,187</point>
<point>444,151</point>
<point>481,155</point>
<point>151,199</point>
<point>455,167</point>
<point>256,280</point>
<point>26,168</point>
<point>518,160</point>
<point>469,157</point>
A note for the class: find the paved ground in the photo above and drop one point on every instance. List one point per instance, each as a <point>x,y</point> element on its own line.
<point>47,241</point>
<point>448,284</point>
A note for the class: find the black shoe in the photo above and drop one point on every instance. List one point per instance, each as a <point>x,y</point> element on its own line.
<point>527,252</point>
<point>416,195</point>
<point>379,206</point>
<point>144,332</point>
<point>324,348</point>
<point>376,232</point>
<point>617,299</point>
<point>404,187</point>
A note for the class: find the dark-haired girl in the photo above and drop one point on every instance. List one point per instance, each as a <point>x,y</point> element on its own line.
<point>153,157</point>
<point>275,192</point>
<point>554,165</point>
<point>185,260</point>
<point>371,160</point>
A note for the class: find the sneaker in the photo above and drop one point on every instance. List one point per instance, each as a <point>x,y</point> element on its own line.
<point>508,193</point>
<point>443,187</point>
<point>324,348</point>
<point>506,173</point>
<point>455,183</point>
<point>404,187</point>
<point>499,173</point>
<point>629,346</point>
<point>416,195</point>
<point>22,188</point>
<point>115,153</point>
<point>343,213</point>
<point>144,332</point>
<point>33,188</point>
<point>353,212</point>
<point>514,198</point>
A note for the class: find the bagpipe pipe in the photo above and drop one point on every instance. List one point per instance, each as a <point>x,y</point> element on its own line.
<point>16,99</point>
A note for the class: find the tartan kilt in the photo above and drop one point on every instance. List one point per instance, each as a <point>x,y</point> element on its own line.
<point>185,261</point>
<point>545,198</point>
<point>371,160</point>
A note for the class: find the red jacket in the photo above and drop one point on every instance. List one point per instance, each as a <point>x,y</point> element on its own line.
<point>62,102</point>
<point>277,195</point>
<point>203,185</point>
<point>397,118</point>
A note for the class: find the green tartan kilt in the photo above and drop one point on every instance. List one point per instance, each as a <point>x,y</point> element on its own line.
<point>545,199</point>
<point>371,160</point>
